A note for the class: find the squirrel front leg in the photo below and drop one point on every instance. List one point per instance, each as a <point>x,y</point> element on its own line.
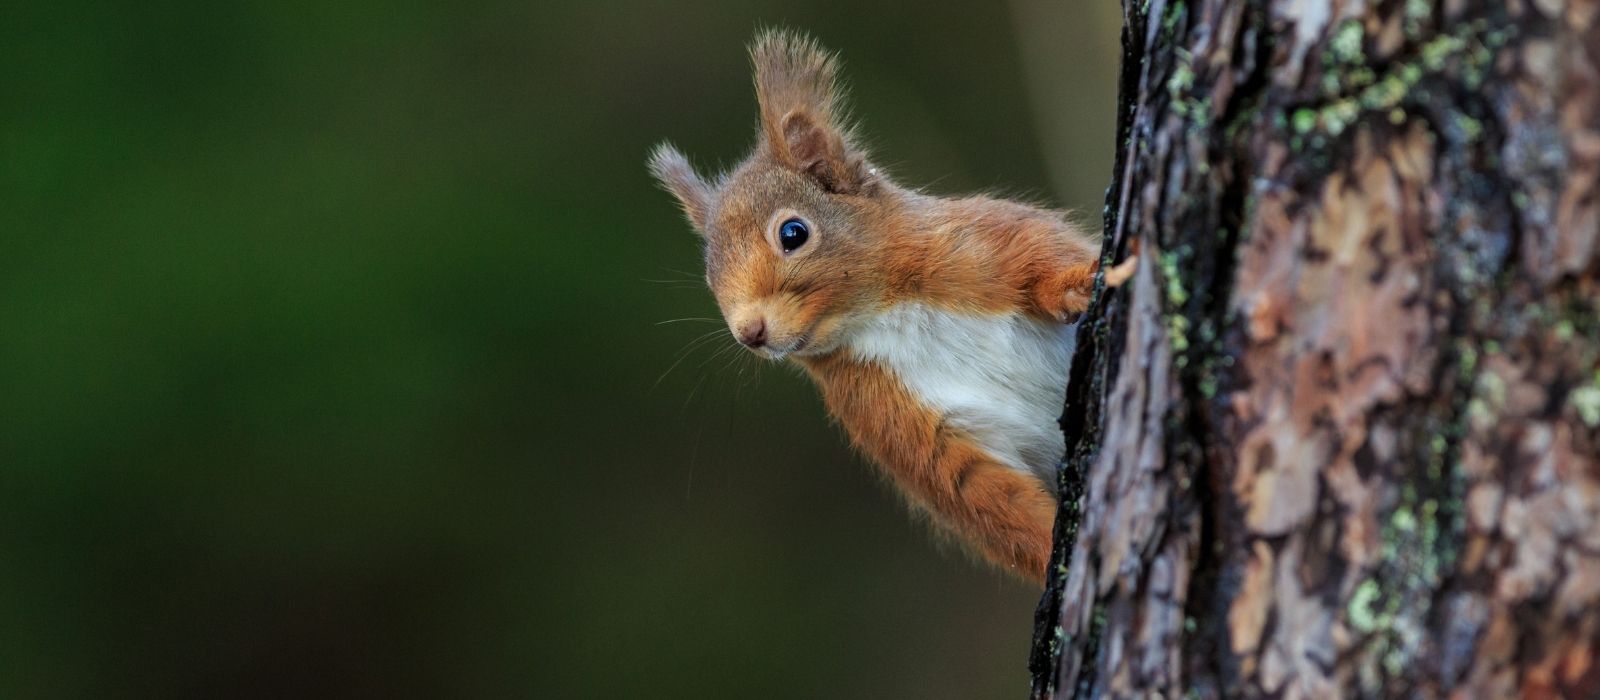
<point>1004,514</point>
<point>1064,290</point>
<point>1050,263</point>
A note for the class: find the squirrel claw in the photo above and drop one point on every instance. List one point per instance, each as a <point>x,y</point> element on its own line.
<point>1121,272</point>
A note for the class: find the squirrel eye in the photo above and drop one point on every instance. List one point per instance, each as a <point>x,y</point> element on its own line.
<point>792,234</point>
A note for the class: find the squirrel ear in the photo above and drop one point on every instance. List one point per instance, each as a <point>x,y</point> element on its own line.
<point>823,154</point>
<point>672,170</point>
<point>801,119</point>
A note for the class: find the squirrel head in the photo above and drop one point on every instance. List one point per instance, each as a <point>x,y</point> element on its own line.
<point>793,233</point>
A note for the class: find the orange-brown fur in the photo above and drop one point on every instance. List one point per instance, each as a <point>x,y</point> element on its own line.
<point>876,245</point>
<point>1006,515</point>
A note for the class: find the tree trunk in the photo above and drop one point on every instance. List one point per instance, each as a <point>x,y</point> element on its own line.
<point>1340,432</point>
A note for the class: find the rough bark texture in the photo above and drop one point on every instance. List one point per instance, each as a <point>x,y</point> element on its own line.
<point>1340,433</point>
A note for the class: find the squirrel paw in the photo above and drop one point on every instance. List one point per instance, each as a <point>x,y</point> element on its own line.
<point>1065,294</point>
<point>1072,304</point>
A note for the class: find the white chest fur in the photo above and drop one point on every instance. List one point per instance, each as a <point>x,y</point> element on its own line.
<point>1002,378</point>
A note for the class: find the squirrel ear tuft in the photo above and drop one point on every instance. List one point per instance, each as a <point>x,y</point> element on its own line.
<point>802,120</point>
<point>673,171</point>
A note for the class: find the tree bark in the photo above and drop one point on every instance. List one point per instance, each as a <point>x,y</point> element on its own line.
<point>1339,435</point>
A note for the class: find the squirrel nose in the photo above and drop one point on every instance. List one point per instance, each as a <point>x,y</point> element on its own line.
<point>753,333</point>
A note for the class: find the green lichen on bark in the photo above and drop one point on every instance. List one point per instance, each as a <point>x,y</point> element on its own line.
<point>1352,87</point>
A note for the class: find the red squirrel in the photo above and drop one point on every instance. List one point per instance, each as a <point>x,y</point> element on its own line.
<point>939,330</point>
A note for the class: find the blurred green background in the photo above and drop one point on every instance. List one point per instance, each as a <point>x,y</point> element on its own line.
<point>331,361</point>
